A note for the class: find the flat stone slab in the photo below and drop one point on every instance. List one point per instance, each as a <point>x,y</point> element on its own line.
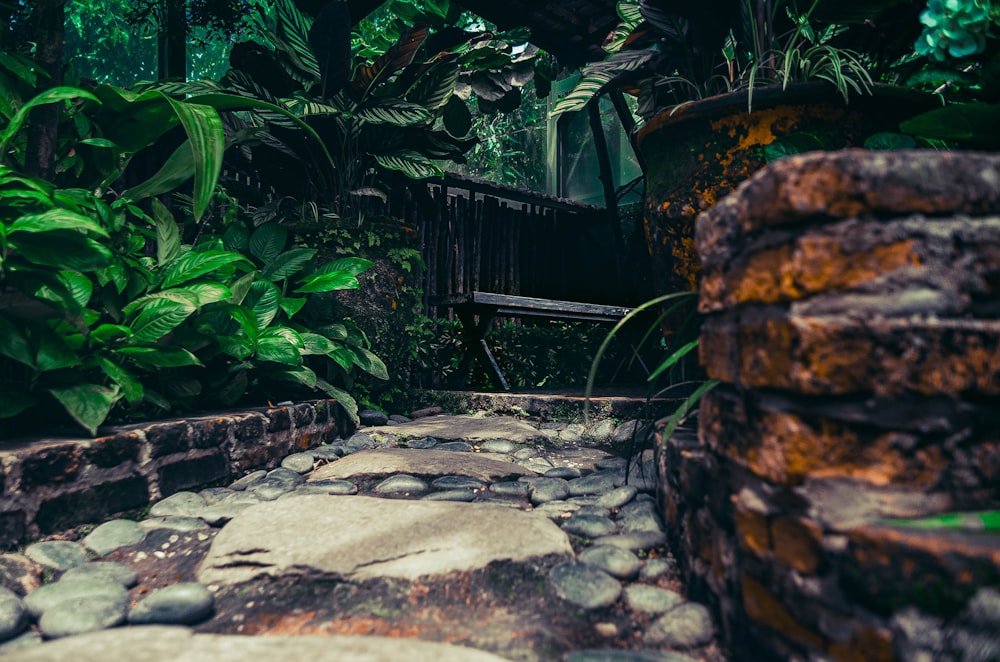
<point>166,644</point>
<point>390,461</point>
<point>469,428</point>
<point>358,537</point>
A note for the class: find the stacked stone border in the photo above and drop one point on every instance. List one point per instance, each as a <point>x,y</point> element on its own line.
<point>852,304</point>
<point>49,485</point>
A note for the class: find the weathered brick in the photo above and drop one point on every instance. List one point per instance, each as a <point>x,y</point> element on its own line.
<point>168,438</point>
<point>868,643</point>
<point>92,504</point>
<point>279,418</point>
<point>211,432</point>
<point>303,415</point>
<point>112,451</point>
<point>796,542</point>
<point>886,568</point>
<point>839,355</point>
<point>50,464</point>
<point>752,531</point>
<point>190,473</point>
<point>765,609</point>
<point>13,527</point>
<point>251,429</point>
<point>849,184</point>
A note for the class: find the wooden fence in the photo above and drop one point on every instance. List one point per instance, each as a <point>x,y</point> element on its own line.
<point>480,236</point>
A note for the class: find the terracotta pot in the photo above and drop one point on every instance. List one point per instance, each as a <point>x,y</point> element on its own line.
<point>697,153</point>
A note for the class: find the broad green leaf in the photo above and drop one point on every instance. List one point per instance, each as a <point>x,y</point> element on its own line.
<point>394,111</point>
<point>263,299</point>
<point>337,280</point>
<point>78,285</point>
<point>106,333</point>
<point>54,219</point>
<point>291,306</point>
<point>210,292</point>
<point>333,331</point>
<point>236,238</point>
<point>973,124</point>
<point>342,397</point>
<point>191,265</point>
<point>131,387</point>
<point>185,296</point>
<point>160,357</point>
<point>241,287</point>
<point>54,352</point>
<point>158,318</point>
<point>342,356</point>
<point>208,141</point>
<point>315,344</point>
<point>290,335</point>
<point>64,249</point>
<point>596,76</point>
<point>99,142</point>
<point>13,402</point>
<point>246,319</point>
<point>435,86</point>
<point>15,344</point>
<point>239,347</point>
<point>287,264</point>
<point>267,242</point>
<point>412,164</point>
<point>168,236</point>
<point>177,169</point>
<point>352,265</point>
<point>52,95</point>
<point>88,404</point>
<point>457,118</point>
<point>370,363</point>
<point>278,350</point>
<point>300,375</point>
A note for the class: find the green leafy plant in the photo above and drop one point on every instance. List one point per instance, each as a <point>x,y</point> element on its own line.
<point>668,53</point>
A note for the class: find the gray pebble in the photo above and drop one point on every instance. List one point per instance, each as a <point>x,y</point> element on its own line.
<point>584,585</point>
<point>372,417</point>
<point>620,655</point>
<point>654,569</point>
<point>50,595</point>
<point>613,462</point>
<point>547,489</point>
<point>615,561</point>
<point>284,476</point>
<point>112,535</point>
<point>399,418</point>
<point>213,495</point>
<point>617,497</point>
<point>511,488</point>
<point>456,482</point>
<point>422,444</point>
<point>240,498</point>
<point>642,475</point>
<point>337,487</point>
<point>182,524</point>
<point>525,453</point>
<point>625,432</point>
<point>458,446</point>
<point>13,614</point>
<point>539,465</point>
<point>79,615</point>
<point>634,541</point>
<point>572,433</point>
<point>401,485</point>
<point>249,480</point>
<point>651,599</point>
<point>186,603</point>
<point>57,554</point>
<point>685,626</point>
<point>183,504</point>
<point>328,453</point>
<point>359,441</point>
<point>557,510</point>
<point>271,490</point>
<point>640,517</point>
<point>593,511</point>
<point>300,463</point>
<point>984,608</point>
<point>602,430</point>
<point>599,482</point>
<point>589,526</point>
<point>498,446</point>
<point>584,500</point>
<point>562,472</point>
<point>222,513</point>
<point>26,641</point>
<point>103,571</point>
<point>458,494</point>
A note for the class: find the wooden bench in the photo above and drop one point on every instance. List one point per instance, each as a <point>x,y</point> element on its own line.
<point>477,310</point>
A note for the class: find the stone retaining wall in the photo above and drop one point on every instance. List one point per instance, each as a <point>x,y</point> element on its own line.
<point>852,304</point>
<point>48,485</point>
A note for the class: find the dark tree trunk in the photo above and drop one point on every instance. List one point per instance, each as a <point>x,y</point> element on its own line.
<point>47,26</point>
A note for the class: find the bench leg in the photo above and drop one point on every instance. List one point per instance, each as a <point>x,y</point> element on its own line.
<point>474,337</point>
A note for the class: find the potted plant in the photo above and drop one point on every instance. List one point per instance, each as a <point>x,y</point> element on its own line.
<point>726,86</point>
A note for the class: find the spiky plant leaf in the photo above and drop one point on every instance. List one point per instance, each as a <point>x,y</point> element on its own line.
<point>596,77</point>
<point>394,111</point>
<point>412,164</point>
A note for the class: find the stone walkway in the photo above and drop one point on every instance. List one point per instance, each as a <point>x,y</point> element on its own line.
<point>445,538</point>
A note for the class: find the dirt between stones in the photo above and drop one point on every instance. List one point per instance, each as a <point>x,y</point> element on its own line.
<point>506,608</point>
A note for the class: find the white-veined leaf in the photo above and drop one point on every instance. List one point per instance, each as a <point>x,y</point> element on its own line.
<point>412,164</point>
<point>394,111</point>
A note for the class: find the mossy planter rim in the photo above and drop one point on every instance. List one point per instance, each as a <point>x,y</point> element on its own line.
<point>727,104</point>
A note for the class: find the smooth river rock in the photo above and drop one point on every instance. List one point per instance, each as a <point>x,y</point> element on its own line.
<point>390,461</point>
<point>360,537</point>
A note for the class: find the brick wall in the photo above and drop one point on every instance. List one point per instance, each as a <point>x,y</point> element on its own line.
<point>852,312</point>
<point>47,485</point>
